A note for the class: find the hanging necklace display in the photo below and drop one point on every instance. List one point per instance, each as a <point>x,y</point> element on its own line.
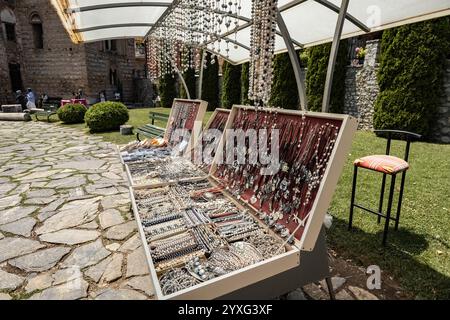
<point>263,31</point>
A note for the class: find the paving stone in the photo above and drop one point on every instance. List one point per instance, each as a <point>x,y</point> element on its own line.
<point>40,201</point>
<point>39,282</point>
<point>81,165</point>
<point>66,183</point>
<point>40,193</point>
<point>80,201</point>
<point>362,294</point>
<point>113,247</point>
<point>1,236</point>
<point>40,261</point>
<point>14,214</point>
<point>87,255</point>
<point>90,226</point>
<point>66,275</point>
<point>6,187</point>
<point>296,295</point>
<point>337,282</point>
<point>73,290</point>
<point>96,272</point>
<point>131,244</point>
<point>114,269</point>
<point>111,202</point>
<point>143,284</point>
<point>10,201</point>
<point>72,217</point>
<point>344,295</point>
<point>21,227</point>
<point>15,247</point>
<point>50,210</point>
<point>122,231</point>
<point>314,292</point>
<point>137,264</point>
<point>70,236</point>
<point>110,218</point>
<point>9,281</point>
<point>39,175</point>
<point>120,294</point>
<point>5,297</point>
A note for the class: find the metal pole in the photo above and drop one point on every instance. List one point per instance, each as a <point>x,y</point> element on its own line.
<point>295,60</point>
<point>180,75</point>
<point>200,82</point>
<point>333,55</point>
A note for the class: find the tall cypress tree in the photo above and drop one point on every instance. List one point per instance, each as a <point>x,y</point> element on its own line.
<point>284,87</point>
<point>317,73</point>
<point>189,77</point>
<point>245,84</point>
<point>210,87</point>
<point>167,90</point>
<point>411,76</point>
<point>231,87</point>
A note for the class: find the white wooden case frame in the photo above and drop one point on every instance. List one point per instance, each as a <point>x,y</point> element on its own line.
<point>263,270</point>
<point>332,174</point>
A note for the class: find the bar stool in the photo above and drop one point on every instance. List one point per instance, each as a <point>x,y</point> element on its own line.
<point>387,165</point>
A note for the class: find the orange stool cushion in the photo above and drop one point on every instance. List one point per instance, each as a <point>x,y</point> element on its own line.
<point>384,164</point>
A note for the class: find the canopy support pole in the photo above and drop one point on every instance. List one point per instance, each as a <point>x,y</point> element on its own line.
<point>200,82</point>
<point>333,55</point>
<point>180,75</point>
<point>295,60</point>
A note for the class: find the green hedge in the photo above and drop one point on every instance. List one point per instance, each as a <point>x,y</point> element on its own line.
<point>411,75</point>
<point>318,58</point>
<point>106,116</point>
<point>167,90</point>
<point>245,85</point>
<point>210,87</point>
<point>284,87</point>
<point>72,113</point>
<point>231,87</point>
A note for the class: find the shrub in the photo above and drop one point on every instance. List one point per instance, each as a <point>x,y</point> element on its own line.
<point>167,90</point>
<point>189,78</point>
<point>231,89</point>
<point>318,58</point>
<point>106,116</point>
<point>284,87</point>
<point>245,85</point>
<point>72,113</point>
<point>411,76</point>
<point>210,87</point>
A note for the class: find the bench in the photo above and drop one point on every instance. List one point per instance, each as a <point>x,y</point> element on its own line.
<point>47,112</point>
<point>150,130</point>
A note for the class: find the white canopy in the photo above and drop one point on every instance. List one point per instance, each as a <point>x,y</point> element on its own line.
<point>310,22</point>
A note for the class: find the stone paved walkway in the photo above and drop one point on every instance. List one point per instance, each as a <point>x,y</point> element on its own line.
<point>66,231</point>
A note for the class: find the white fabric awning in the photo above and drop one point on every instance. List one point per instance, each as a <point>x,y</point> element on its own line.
<point>310,22</point>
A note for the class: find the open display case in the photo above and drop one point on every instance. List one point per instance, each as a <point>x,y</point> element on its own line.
<point>205,238</point>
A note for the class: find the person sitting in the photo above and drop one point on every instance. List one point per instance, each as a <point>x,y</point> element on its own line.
<point>31,98</point>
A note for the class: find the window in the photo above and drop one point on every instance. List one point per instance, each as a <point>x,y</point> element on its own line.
<point>111,45</point>
<point>10,29</point>
<point>112,77</point>
<point>38,31</point>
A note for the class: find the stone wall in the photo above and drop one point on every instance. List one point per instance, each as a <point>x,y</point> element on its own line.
<point>59,68</point>
<point>4,74</point>
<point>442,128</point>
<point>361,88</point>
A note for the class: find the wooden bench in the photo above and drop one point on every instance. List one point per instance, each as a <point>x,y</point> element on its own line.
<point>150,130</point>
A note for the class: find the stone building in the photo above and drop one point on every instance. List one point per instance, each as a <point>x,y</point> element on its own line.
<point>36,52</point>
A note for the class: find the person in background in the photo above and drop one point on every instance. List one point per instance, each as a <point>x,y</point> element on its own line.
<point>117,96</point>
<point>102,96</point>
<point>21,99</point>
<point>31,104</point>
<point>79,94</point>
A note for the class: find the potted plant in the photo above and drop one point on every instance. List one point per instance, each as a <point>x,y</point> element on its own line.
<point>360,55</point>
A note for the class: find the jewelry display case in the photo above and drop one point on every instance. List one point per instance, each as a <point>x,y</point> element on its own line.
<point>309,142</point>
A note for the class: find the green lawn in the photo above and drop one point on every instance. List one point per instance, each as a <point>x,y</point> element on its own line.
<point>138,117</point>
<point>419,254</point>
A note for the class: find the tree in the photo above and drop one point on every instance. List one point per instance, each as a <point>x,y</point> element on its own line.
<point>318,58</point>
<point>210,87</point>
<point>284,87</point>
<point>411,76</point>
<point>231,87</point>
<point>167,90</point>
<point>189,77</point>
<point>245,85</point>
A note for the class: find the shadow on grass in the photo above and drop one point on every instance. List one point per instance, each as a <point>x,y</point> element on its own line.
<point>398,258</point>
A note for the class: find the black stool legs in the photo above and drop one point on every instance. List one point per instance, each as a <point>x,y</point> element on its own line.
<point>352,203</point>
<point>389,210</point>
<point>383,188</point>
<point>400,200</point>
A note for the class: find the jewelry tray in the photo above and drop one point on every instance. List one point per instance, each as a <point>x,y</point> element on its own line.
<point>236,280</point>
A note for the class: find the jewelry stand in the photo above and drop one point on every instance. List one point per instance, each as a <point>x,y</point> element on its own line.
<point>314,267</point>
